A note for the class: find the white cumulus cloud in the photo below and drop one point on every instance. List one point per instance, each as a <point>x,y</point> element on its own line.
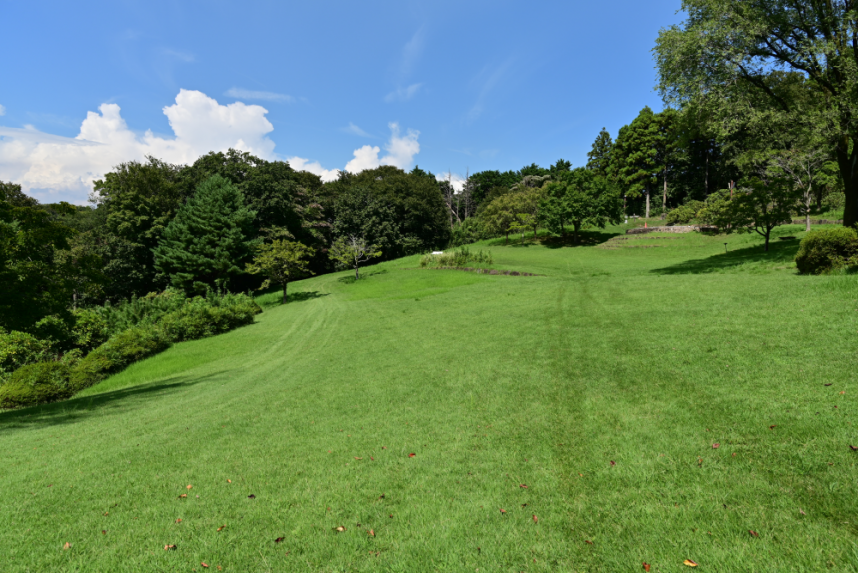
<point>455,179</point>
<point>301,164</point>
<point>400,152</point>
<point>60,168</point>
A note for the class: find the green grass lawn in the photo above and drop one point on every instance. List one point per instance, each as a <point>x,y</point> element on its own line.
<point>603,386</point>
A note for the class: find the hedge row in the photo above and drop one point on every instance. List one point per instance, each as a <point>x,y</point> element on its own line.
<point>57,380</point>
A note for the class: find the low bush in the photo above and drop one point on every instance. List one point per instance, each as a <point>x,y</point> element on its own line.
<point>145,310</point>
<point>90,329</point>
<point>457,258</point>
<point>469,231</point>
<point>826,250</point>
<point>202,317</point>
<point>684,214</point>
<point>18,349</point>
<point>36,384</point>
<point>123,349</point>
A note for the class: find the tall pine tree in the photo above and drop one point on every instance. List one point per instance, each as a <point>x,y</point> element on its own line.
<point>208,242</point>
<point>599,157</point>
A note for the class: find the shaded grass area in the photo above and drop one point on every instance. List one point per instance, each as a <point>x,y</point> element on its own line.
<point>601,386</point>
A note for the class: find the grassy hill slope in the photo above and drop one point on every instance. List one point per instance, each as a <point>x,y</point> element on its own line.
<point>602,386</point>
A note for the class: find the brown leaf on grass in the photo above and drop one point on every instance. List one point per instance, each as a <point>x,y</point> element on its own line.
<point>279,539</point>
<point>535,519</point>
<point>588,542</point>
<point>828,384</point>
<point>372,458</point>
<point>773,426</point>
<point>221,527</point>
<point>390,516</point>
<point>523,486</point>
<point>690,563</point>
<point>383,447</point>
<point>503,511</point>
<point>754,533</point>
<point>843,392</point>
<point>411,455</point>
<point>371,533</point>
<point>523,505</point>
<point>613,463</point>
<point>169,548</point>
<point>853,448</point>
<point>357,458</point>
<point>339,529</point>
<point>67,545</point>
<point>106,512</point>
<point>381,496</point>
<point>227,481</point>
<point>103,532</point>
<point>219,568</point>
<point>646,566</point>
<point>190,486</point>
<point>204,564</point>
<point>801,511</point>
<point>179,520</point>
<point>251,496</point>
<point>183,496</point>
<point>716,446</point>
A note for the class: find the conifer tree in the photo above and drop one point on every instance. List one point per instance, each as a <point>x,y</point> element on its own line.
<point>208,242</point>
<point>599,157</point>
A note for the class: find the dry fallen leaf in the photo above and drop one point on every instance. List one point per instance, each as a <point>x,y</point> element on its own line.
<point>828,384</point>
<point>690,563</point>
<point>221,527</point>
<point>183,495</point>
<point>106,512</point>
<point>535,519</point>
<point>279,539</point>
<point>358,458</point>
<point>853,448</point>
<point>522,485</point>
<point>503,511</point>
<point>339,529</point>
<point>646,566</point>
<point>169,548</point>
<point>179,520</point>
<point>411,455</point>
<point>843,392</point>
<point>588,542</point>
<point>190,486</point>
<point>204,564</point>
<point>801,511</point>
<point>773,426</point>
<point>227,481</point>
<point>381,496</point>
<point>716,446</point>
<point>103,532</point>
<point>251,496</point>
<point>371,533</point>
<point>754,533</point>
<point>67,545</point>
<point>613,463</point>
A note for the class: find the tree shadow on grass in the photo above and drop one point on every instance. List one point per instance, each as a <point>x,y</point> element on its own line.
<point>350,279</point>
<point>585,239</point>
<point>291,297</point>
<point>77,409</point>
<point>779,252</point>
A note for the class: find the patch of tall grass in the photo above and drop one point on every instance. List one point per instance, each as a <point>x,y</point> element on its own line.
<point>457,258</point>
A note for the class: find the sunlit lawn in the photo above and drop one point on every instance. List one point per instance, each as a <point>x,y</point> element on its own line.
<point>660,398</point>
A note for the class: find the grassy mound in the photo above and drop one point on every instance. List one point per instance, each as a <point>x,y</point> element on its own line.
<point>658,404</point>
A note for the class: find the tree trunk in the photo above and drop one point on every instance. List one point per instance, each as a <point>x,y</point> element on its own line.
<point>576,226</point>
<point>357,275</point>
<point>285,298</point>
<point>507,238</point>
<point>647,203</point>
<point>768,235</point>
<point>849,173</point>
<point>706,175</point>
<point>664,197</point>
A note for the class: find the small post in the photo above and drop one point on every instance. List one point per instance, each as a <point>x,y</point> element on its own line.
<point>725,247</point>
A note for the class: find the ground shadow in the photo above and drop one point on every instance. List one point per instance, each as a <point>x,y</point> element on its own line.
<point>291,297</point>
<point>779,252</point>
<point>76,409</point>
<point>350,279</point>
<point>585,239</point>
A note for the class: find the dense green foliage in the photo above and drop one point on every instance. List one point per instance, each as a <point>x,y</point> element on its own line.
<point>281,261</point>
<point>685,213</point>
<point>825,250</point>
<point>208,242</point>
<point>18,349</point>
<point>580,198</point>
<point>38,383</point>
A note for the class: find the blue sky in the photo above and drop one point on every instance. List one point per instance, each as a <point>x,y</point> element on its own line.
<point>460,86</point>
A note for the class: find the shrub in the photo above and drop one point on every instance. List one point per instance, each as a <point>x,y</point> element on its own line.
<point>90,329</point>
<point>54,330</point>
<point>202,317</point>
<point>684,214</point>
<point>123,349</point>
<point>825,250</point>
<point>457,258</point>
<point>36,384</point>
<point>18,349</point>
<point>136,311</point>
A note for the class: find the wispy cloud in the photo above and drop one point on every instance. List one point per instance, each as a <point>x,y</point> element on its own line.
<point>181,56</point>
<point>2,110</point>
<point>485,82</point>
<point>240,93</point>
<point>403,94</point>
<point>355,130</point>
<point>411,53</point>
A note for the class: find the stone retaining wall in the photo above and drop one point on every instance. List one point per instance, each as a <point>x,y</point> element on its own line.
<point>673,229</point>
